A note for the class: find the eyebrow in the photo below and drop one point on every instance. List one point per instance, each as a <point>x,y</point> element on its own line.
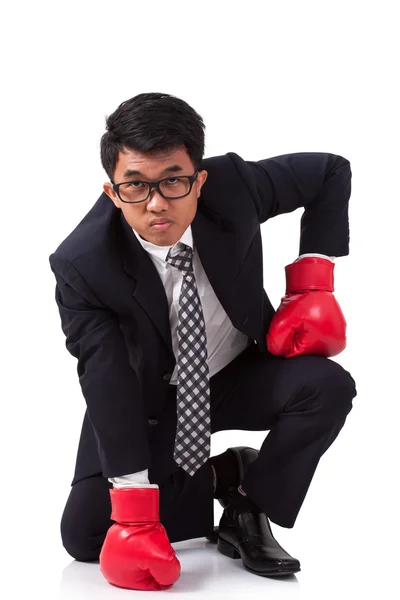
<point>172,169</point>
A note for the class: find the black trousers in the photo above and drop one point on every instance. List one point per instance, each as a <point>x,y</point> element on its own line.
<point>303,402</point>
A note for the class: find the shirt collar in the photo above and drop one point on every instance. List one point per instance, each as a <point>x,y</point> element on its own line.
<point>162,251</point>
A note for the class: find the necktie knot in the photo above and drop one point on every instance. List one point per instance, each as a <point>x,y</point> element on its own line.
<point>182,260</point>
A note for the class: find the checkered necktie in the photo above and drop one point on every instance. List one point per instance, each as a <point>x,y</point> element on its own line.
<point>192,441</point>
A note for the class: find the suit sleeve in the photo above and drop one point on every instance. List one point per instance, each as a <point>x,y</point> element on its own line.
<point>319,182</point>
<point>109,384</point>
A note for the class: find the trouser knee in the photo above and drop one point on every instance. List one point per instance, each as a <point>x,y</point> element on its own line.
<point>79,544</point>
<point>326,391</point>
<point>86,518</point>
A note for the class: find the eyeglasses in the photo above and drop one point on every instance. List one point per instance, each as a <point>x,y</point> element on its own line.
<point>170,188</point>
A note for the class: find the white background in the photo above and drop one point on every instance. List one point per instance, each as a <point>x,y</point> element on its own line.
<point>268,78</point>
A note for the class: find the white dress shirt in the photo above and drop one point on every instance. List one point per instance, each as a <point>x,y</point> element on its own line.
<point>224,341</point>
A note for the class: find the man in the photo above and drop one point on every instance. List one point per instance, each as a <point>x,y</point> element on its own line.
<point>161,298</point>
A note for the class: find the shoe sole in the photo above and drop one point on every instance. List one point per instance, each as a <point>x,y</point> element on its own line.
<point>229,550</point>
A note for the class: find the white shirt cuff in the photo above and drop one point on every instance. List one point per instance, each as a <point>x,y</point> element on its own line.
<point>139,479</point>
<point>332,258</point>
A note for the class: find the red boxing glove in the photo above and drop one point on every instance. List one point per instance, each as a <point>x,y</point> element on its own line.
<point>309,320</point>
<point>137,553</point>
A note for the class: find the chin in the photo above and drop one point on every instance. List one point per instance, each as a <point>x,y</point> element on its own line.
<point>166,238</point>
<point>163,240</point>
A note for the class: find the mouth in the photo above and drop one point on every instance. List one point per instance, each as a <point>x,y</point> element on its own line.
<point>161,225</point>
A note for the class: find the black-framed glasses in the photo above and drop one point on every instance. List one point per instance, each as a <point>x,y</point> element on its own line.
<point>170,188</point>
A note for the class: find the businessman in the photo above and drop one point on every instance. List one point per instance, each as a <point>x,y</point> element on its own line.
<point>161,297</point>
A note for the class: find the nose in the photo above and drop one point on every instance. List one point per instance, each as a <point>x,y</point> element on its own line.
<point>156,202</point>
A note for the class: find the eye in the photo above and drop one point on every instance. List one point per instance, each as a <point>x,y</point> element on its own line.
<point>133,184</point>
<point>169,179</point>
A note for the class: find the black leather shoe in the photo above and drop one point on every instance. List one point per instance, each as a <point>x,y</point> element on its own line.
<point>248,535</point>
<point>244,457</point>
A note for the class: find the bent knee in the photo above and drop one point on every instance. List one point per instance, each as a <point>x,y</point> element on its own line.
<point>86,518</point>
<point>338,387</point>
<point>82,546</point>
<point>327,386</point>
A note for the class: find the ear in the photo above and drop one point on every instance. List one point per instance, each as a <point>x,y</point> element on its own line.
<point>200,181</point>
<point>107,187</point>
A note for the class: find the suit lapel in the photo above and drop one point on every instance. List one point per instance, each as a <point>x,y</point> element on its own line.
<point>149,290</point>
<point>216,255</point>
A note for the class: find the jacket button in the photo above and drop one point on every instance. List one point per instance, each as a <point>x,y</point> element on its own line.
<point>152,421</point>
<point>167,376</point>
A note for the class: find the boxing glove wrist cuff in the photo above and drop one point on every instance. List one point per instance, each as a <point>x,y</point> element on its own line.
<point>135,505</point>
<point>310,273</point>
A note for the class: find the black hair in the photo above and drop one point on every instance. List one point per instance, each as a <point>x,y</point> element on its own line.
<point>151,122</point>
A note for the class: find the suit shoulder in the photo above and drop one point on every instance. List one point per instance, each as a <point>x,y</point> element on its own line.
<point>221,161</point>
<point>94,230</point>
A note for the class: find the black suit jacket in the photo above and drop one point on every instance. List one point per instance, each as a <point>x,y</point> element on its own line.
<point>113,306</point>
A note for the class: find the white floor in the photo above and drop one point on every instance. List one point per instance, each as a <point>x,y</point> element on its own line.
<point>343,555</point>
<point>346,535</point>
<point>332,567</point>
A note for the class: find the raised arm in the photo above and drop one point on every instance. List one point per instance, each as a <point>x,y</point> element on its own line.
<point>320,182</point>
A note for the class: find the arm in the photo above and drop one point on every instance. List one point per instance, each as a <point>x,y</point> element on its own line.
<point>319,182</point>
<point>136,553</point>
<point>109,384</point>
<point>308,320</point>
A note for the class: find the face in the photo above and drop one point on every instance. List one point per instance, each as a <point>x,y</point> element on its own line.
<point>179,213</point>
